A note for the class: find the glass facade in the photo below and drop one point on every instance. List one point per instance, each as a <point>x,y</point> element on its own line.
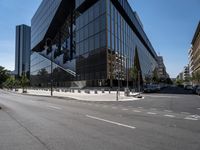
<point>41,73</point>
<point>122,42</point>
<point>94,44</point>
<point>42,19</point>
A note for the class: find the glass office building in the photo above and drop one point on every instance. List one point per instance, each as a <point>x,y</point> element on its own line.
<point>22,50</point>
<point>89,42</point>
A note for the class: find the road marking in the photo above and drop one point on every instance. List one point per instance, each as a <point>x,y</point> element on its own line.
<point>171,116</point>
<point>151,113</point>
<point>112,122</point>
<point>114,107</point>
<point>198,108</point>
<point>124,109</point>
<point>167,110</point>
<point>137,111</point>
<point>140,107</point>
<point>185,113</point>
<point>192,117</point>
<point>58,108</point>
<point>189,118</point>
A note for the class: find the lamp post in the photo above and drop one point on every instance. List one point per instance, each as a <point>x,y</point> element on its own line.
<point>138,81</point>
<point>49,45</point>
<point>126,72</point>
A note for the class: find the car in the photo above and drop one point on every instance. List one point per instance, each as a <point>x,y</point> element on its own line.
<point>195,88</point>
<point>150,88</point>
<point>198,90</point>
<point>188,87</point>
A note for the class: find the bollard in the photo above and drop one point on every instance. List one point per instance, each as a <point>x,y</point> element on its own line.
<point>102,90</point>
<point>95,91</point>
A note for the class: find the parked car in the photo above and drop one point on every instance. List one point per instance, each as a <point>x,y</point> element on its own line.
<point>198,90</point>
<point>188,87</point>
<point>195,88</point>
<point>150,88</point>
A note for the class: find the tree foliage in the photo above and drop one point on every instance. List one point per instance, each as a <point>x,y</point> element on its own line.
<point>3,75</point>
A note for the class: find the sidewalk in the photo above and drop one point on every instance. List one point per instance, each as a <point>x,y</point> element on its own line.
<point>106,96</point>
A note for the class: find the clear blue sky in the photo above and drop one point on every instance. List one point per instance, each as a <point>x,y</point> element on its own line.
<point>169,24</point>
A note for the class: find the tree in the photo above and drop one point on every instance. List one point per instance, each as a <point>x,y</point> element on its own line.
<point>9,83</point>
<point>24,82</point>
<point>155,77</point>
<point>179,82</point>
<point>148,78</point>
<point>136,73</point>
<point>197,77</point>
<point>3,75</point>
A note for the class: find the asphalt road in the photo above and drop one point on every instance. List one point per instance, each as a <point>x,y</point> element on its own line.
<point>157,122</point>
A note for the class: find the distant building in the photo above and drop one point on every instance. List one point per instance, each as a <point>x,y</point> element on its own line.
<point>180,76</point>
<point>162,73</point>
<point>194,52</point>
<point>22,50</point>
<point>185,75</point>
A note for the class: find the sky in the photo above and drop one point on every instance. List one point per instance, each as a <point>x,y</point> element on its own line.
<point>169,25</point>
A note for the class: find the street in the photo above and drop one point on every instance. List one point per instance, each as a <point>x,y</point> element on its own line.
<point>160,121</point>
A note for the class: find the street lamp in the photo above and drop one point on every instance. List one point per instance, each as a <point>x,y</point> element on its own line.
<point>49,46</point>
<point>126,72</point>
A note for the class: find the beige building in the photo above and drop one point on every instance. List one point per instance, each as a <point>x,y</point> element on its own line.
<point>194,52</point>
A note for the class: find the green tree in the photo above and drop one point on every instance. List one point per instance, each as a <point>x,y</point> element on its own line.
<point>197,77</point>
<point>155,77</point>
<point>148,78</point>
<point>24,82</point>
<point>9,83</point>
<point>136,73</point>
<point>3,75</point>
<point>179,82</point>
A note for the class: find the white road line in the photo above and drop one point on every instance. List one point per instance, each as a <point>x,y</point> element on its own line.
<point>140,107</point>
<point>114,107</point>
<point>112,122</point>
<point>171,116</point>
<point>185,113</point>
<point>151,113</point>
<point>124,109</point>
<point>136,111</point>
<point>58,108</point>
<point>198,108</point>
<point>189,118</point>
<point>167,110</point>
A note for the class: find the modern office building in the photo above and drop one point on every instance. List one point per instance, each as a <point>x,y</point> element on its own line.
<point>162,73</point>
<point>194,52</point>
<point>88,43</point>
<point>22,50</point>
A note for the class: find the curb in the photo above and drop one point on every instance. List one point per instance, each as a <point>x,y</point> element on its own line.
<point>68,98</point>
